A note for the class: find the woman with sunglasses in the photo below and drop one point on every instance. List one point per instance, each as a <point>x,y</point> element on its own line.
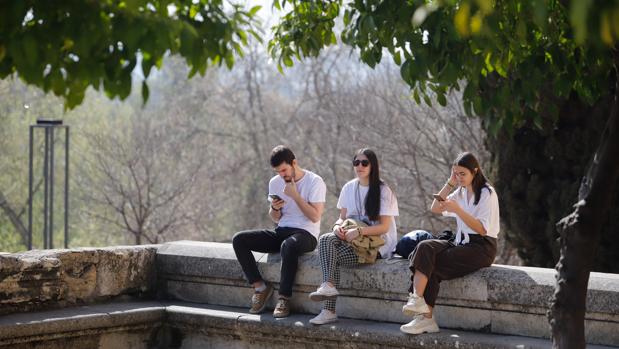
<point>475,206</point>
<point>366,198</point>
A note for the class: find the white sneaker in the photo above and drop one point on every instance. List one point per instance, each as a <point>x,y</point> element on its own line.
<point>325,291</point>
<point>416,305</point>
<point>420,324</point>
<point>324,317</point>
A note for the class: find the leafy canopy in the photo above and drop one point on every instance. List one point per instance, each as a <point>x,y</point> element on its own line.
<point>66,46</point>
<point>515,59</point>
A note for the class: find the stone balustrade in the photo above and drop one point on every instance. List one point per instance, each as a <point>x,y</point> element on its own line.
<point>499,299</point>
<point>188,294</point>
<point>41,279</point>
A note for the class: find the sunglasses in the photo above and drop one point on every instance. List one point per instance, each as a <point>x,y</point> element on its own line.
<point>364,163</point>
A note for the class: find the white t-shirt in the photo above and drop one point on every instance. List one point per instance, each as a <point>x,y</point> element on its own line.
<point>352,198</point>
<point>486,211</point>
<point>312,189</point>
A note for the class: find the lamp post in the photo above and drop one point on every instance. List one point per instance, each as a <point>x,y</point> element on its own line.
<point>49,126</point>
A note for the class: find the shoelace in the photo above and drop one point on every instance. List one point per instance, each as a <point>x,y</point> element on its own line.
<point>281,304</point>
<point>255,299</point>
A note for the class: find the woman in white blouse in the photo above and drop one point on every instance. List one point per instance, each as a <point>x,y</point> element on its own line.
<point>475,206</point>
<point>368,199</point>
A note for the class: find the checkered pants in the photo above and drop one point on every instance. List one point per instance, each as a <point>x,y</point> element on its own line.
<point>334,253</point>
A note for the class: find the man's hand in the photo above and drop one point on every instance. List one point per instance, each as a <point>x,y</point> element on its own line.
<point>291,189</point>
<point>277,204</point>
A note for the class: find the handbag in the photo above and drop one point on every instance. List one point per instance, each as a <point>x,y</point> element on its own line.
<point>365,247</point>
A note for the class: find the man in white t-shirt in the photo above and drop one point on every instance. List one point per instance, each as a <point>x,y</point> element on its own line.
<point>297,198</point>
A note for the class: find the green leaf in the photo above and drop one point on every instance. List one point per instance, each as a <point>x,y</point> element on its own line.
<point>31,50</point>
<point>145,93</point>
<point>57,82</point>
<point>416,96</point>
<point>229,58</point>
<point>427,99</point>
<point>254,10</point>
<point>442,100</point>
<point>477,106</point>
<point>288,61</point>
<point>397,58</point>
<point>579,11</point>
<point>495,126</point>
<point>537,121</point>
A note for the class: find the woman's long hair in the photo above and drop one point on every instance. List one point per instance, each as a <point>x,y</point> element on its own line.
<point>469,161</point>
<point>372,200</point>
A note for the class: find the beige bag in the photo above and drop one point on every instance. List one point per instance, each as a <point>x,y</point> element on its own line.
<point>366,247</point>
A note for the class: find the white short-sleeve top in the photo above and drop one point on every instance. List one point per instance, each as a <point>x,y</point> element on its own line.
<point>312,188</point>
<point>486,211</point>
<point>352,198</point>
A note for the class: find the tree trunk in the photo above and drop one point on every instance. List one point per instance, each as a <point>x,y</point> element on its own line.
<point>580,236</point>
<point>138,238</point>
<point>14,218</point>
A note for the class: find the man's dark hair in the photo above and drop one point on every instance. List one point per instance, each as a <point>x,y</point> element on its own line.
<point>281,154</point>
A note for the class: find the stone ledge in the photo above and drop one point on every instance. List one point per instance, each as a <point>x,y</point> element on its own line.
<point>208,326</point>
<point>188,326</point>
<point>499,299</point>
<point>85,325</point>
<point>57,278</point>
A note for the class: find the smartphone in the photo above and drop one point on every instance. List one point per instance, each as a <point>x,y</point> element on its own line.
<point>438,197</point>
<point>274,197</point>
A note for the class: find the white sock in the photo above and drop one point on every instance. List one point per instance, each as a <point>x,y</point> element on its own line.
<point>261,288</point>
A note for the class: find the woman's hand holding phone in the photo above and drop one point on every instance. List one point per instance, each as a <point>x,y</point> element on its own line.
<point>449,206</point>
<point>438,197</point>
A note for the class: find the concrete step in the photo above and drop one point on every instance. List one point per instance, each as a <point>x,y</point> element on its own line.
<point>499,299</point>
<point>132,324</point>
<point>188,325</point>
<point>207,326</point>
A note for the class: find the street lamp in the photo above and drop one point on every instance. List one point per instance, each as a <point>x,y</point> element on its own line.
<point>49,126</point>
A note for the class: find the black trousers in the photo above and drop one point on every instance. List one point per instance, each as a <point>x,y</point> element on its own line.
<point>442,260</point>
<point>289,242</point>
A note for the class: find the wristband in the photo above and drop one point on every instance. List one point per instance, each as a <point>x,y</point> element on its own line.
<point>450,185</point>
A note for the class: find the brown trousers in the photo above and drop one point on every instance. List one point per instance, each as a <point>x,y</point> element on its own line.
<point>442,260</point>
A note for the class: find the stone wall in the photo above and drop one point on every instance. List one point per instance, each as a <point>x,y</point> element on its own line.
<point>59,278</point>
<point>499,299</point>
<point>500,307</point>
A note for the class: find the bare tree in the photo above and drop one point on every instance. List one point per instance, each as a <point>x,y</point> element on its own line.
<point>194,162</point>
<point>143,175</point>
